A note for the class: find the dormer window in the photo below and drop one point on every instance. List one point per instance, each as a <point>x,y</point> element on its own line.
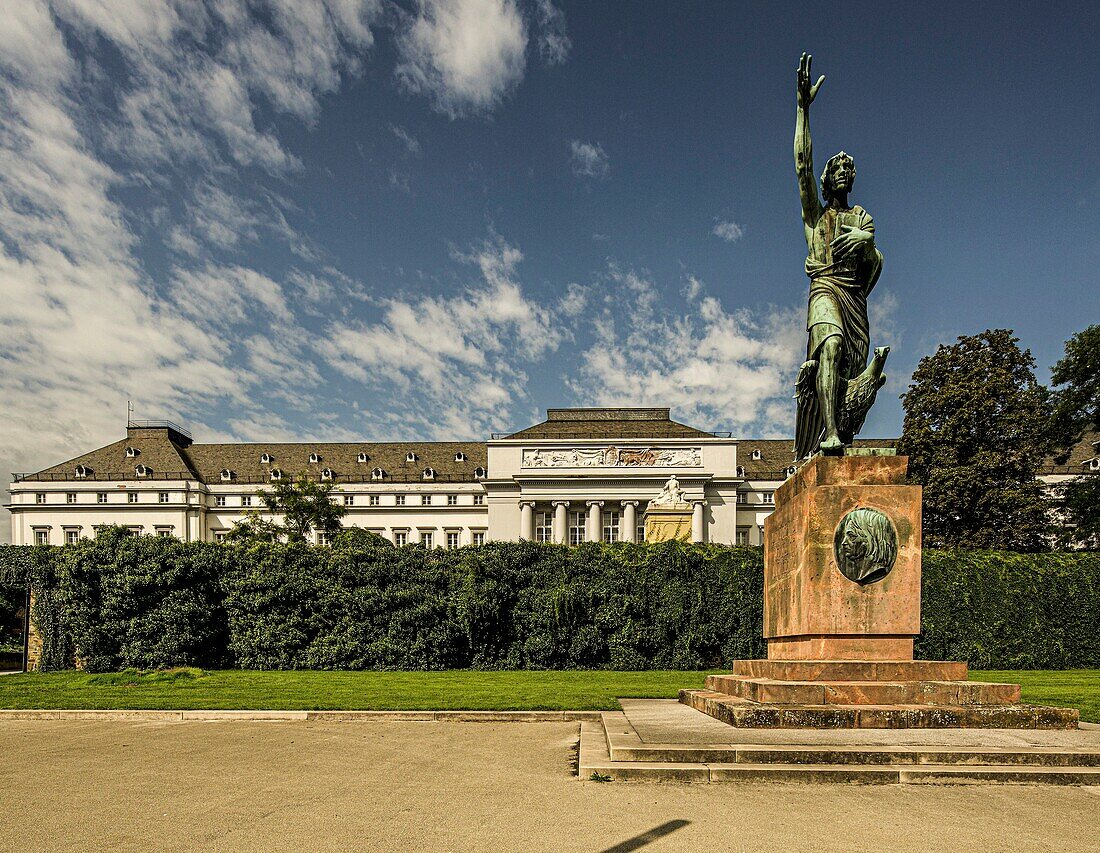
<point>377,474</point>
<point>410,457</point>
<point>1094,464</point>
<point>143,470</point>
<point>327,474</point>
<point>362,457</point>
<point>460,457</point>
<point>132,452</point>
<point>276,474</point>
<point>228,475</point>
<point>314,458</point>
<point>740,470</point>
<point>266,458</point>
<point>82,471</point>
<point>791,471</point>
<point>756,454</point>
<point>428,474</point>
<point>479,473</point>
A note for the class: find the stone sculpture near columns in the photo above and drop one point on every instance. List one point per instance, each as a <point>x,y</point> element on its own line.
<point>836,386</point>
<point>669,515</point>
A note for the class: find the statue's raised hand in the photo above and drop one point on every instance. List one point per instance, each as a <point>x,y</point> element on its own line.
<point>806,91</point>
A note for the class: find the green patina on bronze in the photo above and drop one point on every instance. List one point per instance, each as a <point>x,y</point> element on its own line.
<point>865,545</point>
<point>836,386</point>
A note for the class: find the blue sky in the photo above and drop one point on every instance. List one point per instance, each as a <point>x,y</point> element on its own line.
<point>382,220</point>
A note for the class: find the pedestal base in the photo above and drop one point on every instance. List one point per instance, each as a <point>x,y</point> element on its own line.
<point>867,694</point>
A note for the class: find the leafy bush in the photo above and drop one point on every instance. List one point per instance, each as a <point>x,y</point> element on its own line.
<point>122,601</point>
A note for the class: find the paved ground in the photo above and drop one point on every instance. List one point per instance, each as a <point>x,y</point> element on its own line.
<point>462,787</point>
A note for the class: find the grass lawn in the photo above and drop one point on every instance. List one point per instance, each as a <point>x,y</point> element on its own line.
<point>456,689</point>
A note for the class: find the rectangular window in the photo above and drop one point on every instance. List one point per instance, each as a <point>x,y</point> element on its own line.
<point>767,497</point>
<point>373,500</point>
<point>40,497</point>
<point>400,537</point>
<point>72,536</point>
<point>452,539</point>
<point>479,537</point>
<point>742,536</point>
<point>136,529</point>
<point>219,535</point>
<point>164,531</point>
<point>399,500</point>
<point>41,537</point>
<point>70,497</point>
<point>132,497</point>
<point>349,500</point>
<point>324,537</point>
<point>639,533</point>
<point>101,497</point>
<point>479,500</point>
<point>452,500</point>
<point>246,500</point>
<point>544,526</point>
<point>219,500</point>
<point>427,539</point>
<point>425,500</point>
<point>742,497</point>
<point>611,526</point>
<point>576,527</point>
<point>162,497</point>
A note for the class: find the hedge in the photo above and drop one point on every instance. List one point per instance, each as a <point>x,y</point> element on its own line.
<point>126,601</point>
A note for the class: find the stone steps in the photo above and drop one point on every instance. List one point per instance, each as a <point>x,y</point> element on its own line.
<point>746,713</point>
<point>835,692</point>
<point>612,748</point>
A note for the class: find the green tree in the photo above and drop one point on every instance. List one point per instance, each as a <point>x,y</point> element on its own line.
<point>975,432</point>
<point>1076,398</point>
<point>305,505</point>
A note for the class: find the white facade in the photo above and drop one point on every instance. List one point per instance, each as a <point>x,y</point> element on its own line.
<point>583,475</point>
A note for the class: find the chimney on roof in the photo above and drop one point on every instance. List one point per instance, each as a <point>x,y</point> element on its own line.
<point>620,414</point>
<point>174,432</point>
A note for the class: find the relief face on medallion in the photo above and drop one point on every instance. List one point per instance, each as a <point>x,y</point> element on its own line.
<point>865,545</point>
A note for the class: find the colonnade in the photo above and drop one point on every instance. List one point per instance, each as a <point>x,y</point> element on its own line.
<point>593,526</point>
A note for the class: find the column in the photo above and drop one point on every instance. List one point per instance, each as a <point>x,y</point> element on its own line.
<point>561,521</point>
<point>526,520</point>
<point>629,530</point>
<point>697,521</point>
<point>595,525</point>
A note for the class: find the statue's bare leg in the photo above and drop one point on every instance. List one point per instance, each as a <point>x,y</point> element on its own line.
<point>828,368</point>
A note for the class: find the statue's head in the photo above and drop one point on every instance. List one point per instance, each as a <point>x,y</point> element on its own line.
<point>867,545</point>
<point>838,176</point>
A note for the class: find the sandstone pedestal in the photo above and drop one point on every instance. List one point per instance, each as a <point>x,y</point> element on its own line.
<point>668,523</point>
<point>841,609</point>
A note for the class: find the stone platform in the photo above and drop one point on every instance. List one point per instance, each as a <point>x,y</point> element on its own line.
<point>664,740</point>
<point>867,695</point>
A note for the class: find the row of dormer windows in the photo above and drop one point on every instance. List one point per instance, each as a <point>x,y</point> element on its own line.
<point>316,458</point>
<point>367,500</point>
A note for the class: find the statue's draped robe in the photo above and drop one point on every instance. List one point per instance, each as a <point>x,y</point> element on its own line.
<point>838,305</point>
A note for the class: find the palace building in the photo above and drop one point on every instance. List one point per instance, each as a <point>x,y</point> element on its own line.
<point>581,475</point>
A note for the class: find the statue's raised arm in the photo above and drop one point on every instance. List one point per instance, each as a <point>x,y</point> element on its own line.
<point>803,147</point>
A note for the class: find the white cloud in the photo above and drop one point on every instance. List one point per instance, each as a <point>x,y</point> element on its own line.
<point>554,44</point>
<point>449,366</point>
<point>716,368</point>
<point>466,55</point>
<point>589,160</point>
<point>411,143</point>
<point>729,231</point>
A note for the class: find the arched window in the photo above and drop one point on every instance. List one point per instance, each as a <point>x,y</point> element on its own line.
<point>228,475</point>
<point>266,458</point>
<point>276,474</point>
<point>428,474</point>
<point>82,471</point>
<point>143,470</point>
<point>740,470</point>
<point>362,457</point>
<point>410,457</point>
<point>460,457</point>
<point>479,473</point>
<point>378,474</point>
<point>131,452</point>
<point>327,474</point>
<point>756,454</point>
<point>314,458</point>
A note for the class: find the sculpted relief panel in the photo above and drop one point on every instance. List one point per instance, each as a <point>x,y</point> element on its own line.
<point>614,457</point>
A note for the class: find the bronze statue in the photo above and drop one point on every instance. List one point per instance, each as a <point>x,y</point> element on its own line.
<point>835,386</point>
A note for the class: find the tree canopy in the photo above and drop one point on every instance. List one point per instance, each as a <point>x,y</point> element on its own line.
<point>304,504</point>
<point>975,431</point>
<point>1076,382</point>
